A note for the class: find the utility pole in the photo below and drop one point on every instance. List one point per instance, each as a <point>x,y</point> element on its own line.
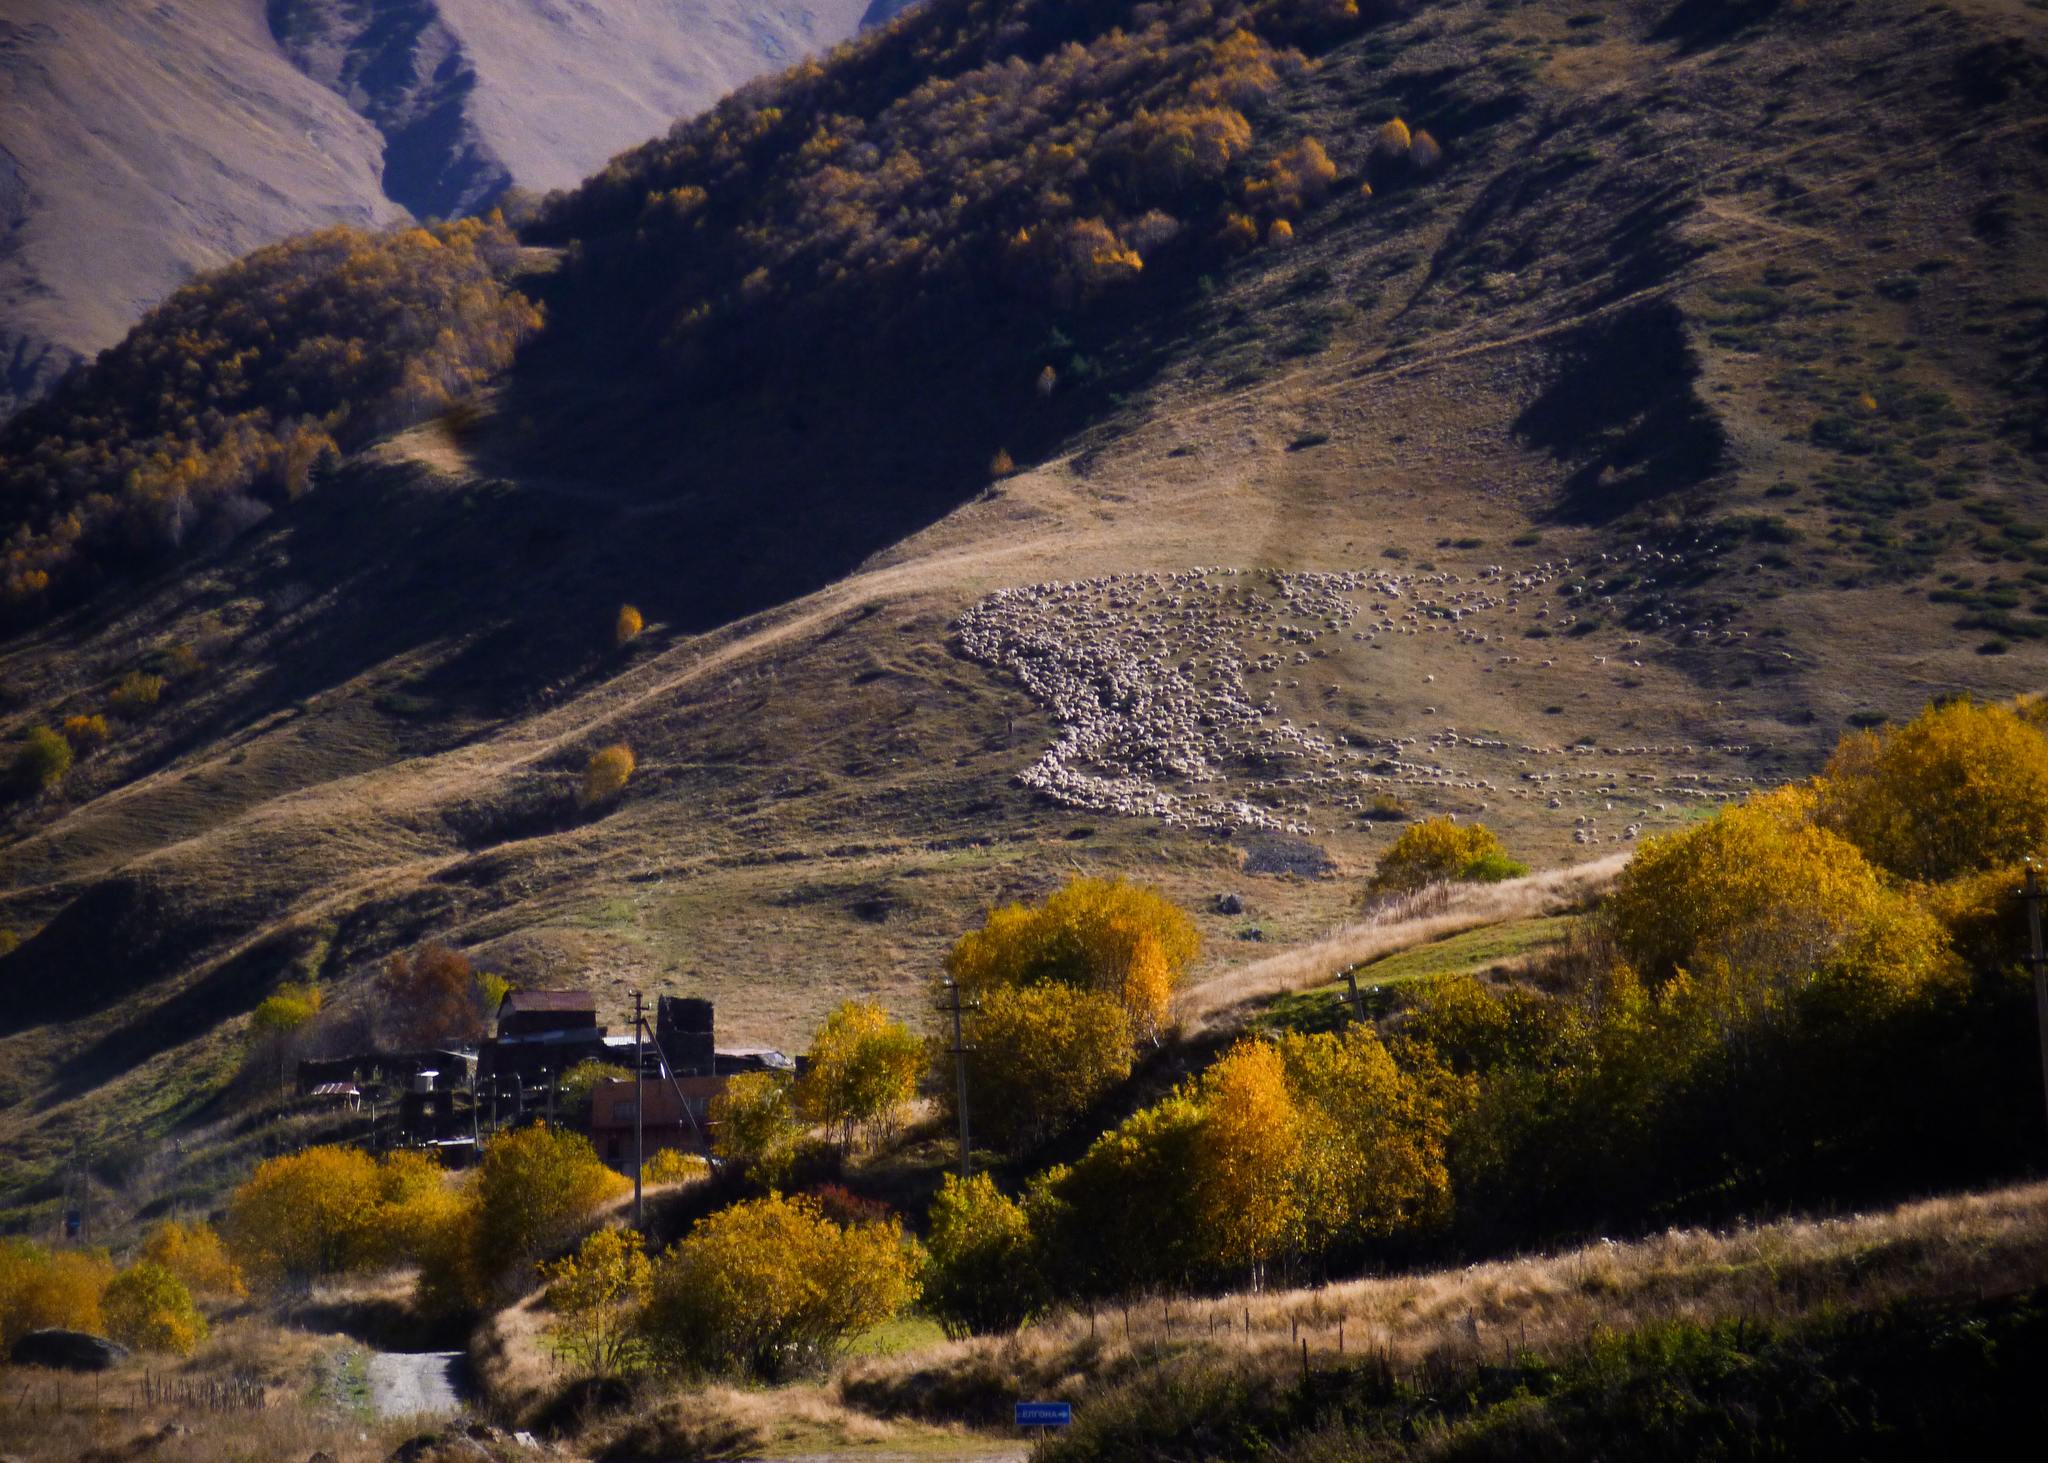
<point>1357,1000</point>
<point>639,1113</point>
<point>960,1072</point>
<point>2038,959</point>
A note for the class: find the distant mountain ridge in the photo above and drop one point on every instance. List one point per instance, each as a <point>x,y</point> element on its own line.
<point>140,145</point>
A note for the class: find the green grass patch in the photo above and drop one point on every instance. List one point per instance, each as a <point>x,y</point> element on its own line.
<point>1473,950</point>
<point>905,1333</point>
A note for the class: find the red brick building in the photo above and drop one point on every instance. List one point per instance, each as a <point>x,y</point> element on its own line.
<point>677,1116</point>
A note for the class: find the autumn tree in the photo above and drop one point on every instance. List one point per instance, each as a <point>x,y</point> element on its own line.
<point>606,774</point>
<point>41,763</point>
<point>1373,1136</point>
<point>596,1295</point>
<point>673,1166</point>
<point>1962,787</point>
<point>980,1271</point>
<point>1247,1156</point>
<point>194,1253</point>
<point>1038,1057</point>
<point>533,1189</point>
<point>770,1286</point>
<point>626,628</point>
<point>754,1124</point>
<point>1126,1210</point>
<point>1763,899</point>
<point>148,1307</point>
<point>39,1288</point>
<point>573,1090</point>
<point>862,1067</point>
<point>137,692</point>
<point>306,1216</point>
<point>1441,850</point>
<point>330,1210</point>
<point>277,1027</point>
<point>1126,942</point>
<point>429,998</point>
<point>86,732</point>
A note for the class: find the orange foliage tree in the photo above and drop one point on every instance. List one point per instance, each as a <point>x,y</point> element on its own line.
<point>218,405</point>
<point>428,998</point>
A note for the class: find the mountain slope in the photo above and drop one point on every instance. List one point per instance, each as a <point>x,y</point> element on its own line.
<point>1676,419</point>
<point>143,144</point>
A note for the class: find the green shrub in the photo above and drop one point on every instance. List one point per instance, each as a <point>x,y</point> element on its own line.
<point>43,760</point>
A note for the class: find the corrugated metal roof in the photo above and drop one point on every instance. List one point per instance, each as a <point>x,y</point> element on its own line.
<point>549,1001</point>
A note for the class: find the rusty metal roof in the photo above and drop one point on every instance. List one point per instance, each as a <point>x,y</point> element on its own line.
<point>548,1001</point>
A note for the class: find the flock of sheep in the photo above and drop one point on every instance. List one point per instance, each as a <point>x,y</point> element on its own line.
<point>1166,690</point>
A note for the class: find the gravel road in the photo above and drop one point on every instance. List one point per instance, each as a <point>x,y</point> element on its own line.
<point>414,1383</point>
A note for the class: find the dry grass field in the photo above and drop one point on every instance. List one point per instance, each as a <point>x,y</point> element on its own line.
<point>1592,395</point>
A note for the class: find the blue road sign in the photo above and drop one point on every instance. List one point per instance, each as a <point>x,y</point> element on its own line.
<point>1044,1414</point>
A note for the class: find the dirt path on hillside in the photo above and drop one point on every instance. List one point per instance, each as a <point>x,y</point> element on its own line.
<point>415,1383</point>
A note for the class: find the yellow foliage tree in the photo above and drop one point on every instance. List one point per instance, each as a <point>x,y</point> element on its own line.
<point>1441,850</point>
<point>534,1188</point>
<point>43,760</point>
<point>149,1308</point>
<point>194,1253</point>
<point>673,1166</point>
<point>285,1010</point>
<point>330,1210</point>
<point>137,692</point>
<point>771,1285</point>
<point>39,1289</point>
<point>979,1274</point>
<point>755,1125</point>
<point>1238,233</point>
<point>1122,940</point>
<point>628,625</point>
<point>307,1215</point>
<point>604,777</point>
<point>86,732</point>
<point>1373,1139</point>
<point>862,1068</point>
<point>1960,788</point>
<point>1039,1057</point>
<point>1393,139</point>
<point>1758,902</point>
<point>1126,1209</point>
<point>1756,885</point>
<point>1296,179</point>
<point>1247,1205</point>
<point>596,1294</point>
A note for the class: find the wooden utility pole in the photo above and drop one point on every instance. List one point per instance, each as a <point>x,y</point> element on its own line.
<point>639,1118</point>
<point>960,1073</point>
<point>2038,959</point>
<point>1357,1000</point>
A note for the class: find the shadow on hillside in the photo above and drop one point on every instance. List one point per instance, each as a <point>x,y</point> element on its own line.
<point>1698,24</point>
<point>1622,411</point>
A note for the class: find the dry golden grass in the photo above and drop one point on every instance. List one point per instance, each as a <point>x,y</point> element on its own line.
<point>1970,1244</point>
<point>65,1418</point>
<point>1428,914</point>
<point>682,1421</point>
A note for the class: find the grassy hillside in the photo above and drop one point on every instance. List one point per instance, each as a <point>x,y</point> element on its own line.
<point>1686,404</point>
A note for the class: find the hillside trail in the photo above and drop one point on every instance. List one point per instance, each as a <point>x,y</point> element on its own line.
<point>415,1383</point>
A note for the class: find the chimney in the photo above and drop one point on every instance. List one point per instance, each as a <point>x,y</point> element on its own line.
<point>682,1024</point>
